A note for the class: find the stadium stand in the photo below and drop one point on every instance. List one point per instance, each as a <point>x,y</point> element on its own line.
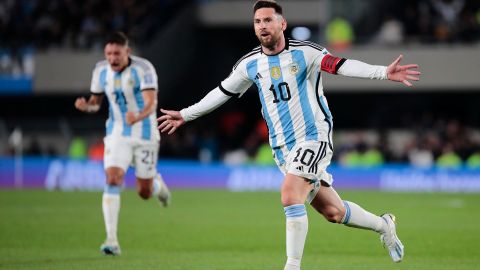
<point>416,135</point>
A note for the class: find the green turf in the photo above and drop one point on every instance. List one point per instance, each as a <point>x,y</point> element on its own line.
<point>224,230</point>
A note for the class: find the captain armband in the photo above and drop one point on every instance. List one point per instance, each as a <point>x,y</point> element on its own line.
<point>331,63</point>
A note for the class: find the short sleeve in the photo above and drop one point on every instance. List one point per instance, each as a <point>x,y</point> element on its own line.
<point>318,57</point>
<point>148,79</point>
<point>330,63</point>
<point>96,86</point>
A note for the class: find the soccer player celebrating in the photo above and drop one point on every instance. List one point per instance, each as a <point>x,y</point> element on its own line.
<point>288,75</point>
<point>130,84</point>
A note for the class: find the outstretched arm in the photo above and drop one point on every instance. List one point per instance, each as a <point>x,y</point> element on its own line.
<point>403,74</point>
<point>394,72</point>
<point>172,120</point>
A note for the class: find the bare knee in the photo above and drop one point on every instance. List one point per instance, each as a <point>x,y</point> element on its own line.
<point>144,188</point>
<point>114,177</point>
<point>145,193</point>
<point>333,214</point>
<point>294,190</point>
<point>288,200</point>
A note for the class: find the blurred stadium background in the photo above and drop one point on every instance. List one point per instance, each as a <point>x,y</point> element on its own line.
<point>386,137</point>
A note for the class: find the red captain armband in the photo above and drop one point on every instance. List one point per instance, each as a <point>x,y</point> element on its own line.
<point>331,63</point>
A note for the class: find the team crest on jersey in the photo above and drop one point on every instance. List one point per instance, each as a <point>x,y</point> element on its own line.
<point>117,83</point>
<point>275,72</point>
<point>293,68</point>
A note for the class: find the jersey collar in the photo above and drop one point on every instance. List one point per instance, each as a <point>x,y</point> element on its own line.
<point>129,63</point>
<point>286,48</point>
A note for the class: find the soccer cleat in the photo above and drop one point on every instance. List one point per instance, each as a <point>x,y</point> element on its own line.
<point>390,239</point>
<point>110,248</point>
<point>164,195</point>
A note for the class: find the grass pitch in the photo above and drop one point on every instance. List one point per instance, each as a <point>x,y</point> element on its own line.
<point>224,230</point>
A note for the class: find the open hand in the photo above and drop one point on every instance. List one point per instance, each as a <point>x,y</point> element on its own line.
<point>403,74</point>
<point>170,121</point>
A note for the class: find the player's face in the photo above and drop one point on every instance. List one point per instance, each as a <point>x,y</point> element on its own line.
<point>269,27</point>
<point>117,56</point>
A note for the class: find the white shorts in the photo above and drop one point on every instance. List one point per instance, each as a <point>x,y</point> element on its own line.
<point>309,160</point>
<point>123,152</point>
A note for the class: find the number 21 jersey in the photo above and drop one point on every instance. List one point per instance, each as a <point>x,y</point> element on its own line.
<point>124,92</point>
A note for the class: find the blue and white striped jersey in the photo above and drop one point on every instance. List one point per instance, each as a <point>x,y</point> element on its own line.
<point>124,93</point>
<point>290,90</point>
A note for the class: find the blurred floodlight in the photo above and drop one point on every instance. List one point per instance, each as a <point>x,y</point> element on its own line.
<point>301,33</point>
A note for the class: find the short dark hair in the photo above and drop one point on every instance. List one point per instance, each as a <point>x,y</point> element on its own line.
<point>117,37</point>
<point>267,4</point>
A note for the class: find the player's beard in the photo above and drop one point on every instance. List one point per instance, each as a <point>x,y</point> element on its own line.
<point>269,42</point>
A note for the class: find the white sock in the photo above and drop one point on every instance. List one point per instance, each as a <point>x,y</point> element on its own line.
<point>356,216</point>
<point>156,187</point>
<point>297,228</point>
<point>111,208</point>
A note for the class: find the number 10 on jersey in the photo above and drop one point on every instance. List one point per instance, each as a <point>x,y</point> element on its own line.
<point>281,92</point>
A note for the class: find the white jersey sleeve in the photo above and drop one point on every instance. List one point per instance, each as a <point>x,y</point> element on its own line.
<point>147,74</point>
<point>238,82</point>
<point>322,60</point>
<point>149,80</point>
<point>317,59</point>
<point>348,67</point>
<point>358,69</point>
<point>96,86</point>
<point>210,102</point>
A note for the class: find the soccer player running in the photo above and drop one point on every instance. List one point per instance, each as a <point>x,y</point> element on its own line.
<point>132,137</point>
<point>288,75</point>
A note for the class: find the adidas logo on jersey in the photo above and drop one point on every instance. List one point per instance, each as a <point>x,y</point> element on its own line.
<point>258,76</point>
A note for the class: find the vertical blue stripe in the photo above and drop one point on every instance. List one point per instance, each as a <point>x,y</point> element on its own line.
<point>282,106</point>
<point>146,126</point>
<point>122,103</point>
<point>279,155</point>
<point>311,132</point>
<point>111,117</point>
<point>252,70</point>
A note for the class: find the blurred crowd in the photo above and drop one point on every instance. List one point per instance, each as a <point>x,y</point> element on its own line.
<point>444,143</point>
<point>78,24</point>
<point>27,25</point>
<point>31,25</point>
<point>431,21</point>
<point>393,23</point>
<point>83,24</point>
<point>236,139</point>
